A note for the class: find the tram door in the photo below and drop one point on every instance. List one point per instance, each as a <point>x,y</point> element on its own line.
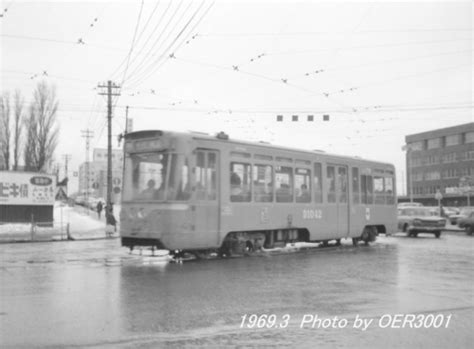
<point>207,205</point>
<point>338,195</point>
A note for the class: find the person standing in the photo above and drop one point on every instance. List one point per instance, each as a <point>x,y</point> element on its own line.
<point>109,218</point>
<point>99,208</point>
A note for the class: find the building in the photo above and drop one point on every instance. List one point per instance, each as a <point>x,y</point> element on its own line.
<point>441,160</point>
<point>96,180</point>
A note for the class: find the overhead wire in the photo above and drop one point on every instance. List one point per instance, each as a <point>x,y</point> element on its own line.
<point>132,46</point>
<point>178,36</point>
<point>140,35</point>
<point>152,51</point>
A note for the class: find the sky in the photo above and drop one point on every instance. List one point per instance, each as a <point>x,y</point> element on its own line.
<point>380,70</point>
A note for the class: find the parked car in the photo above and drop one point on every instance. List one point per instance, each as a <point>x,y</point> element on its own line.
<point>467,223</point>
<point>80,200</point>
<point>415,220</point>
<point>450,211</point>
<point>409,204</point>
<point>464,212</point>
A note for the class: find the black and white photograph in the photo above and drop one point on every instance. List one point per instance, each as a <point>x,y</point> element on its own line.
<point>236,174</point>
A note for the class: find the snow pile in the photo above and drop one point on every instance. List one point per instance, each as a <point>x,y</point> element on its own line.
<point>79,221</point>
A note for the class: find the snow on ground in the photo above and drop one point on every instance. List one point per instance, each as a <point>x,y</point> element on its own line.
<point>81,222</point>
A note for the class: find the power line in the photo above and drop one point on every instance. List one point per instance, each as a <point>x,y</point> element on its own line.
<point>144,76</point>
<point>362,109</point>
<point>359,32</point>
<point>132,46</point>
<point>140,35</point>
<point>142,68</point>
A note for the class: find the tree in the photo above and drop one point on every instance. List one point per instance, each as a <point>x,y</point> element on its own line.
<point>5,128</point>
<point>17,127</point>
<point>41,128</point>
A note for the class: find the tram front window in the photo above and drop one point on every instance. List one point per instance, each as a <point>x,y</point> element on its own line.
<point>156,177</point>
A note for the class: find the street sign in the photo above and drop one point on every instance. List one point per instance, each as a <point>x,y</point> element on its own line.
<point>95,185</point>
<point>61,195</point>
<point>117,190</point>
<point>438,195</point>
<point>116,181</point>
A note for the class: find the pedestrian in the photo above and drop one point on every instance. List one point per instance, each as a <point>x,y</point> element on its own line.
<point>99,208</point>
<point>109,217</point>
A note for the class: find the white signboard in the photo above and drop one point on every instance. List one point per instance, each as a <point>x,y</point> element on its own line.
<point>26,188</point>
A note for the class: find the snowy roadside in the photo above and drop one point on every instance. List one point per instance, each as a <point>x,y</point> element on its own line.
<point>79,221</point>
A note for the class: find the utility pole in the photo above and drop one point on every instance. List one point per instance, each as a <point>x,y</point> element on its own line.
<point>87,134</point>
<point>111,88</point>
<point>66,158</point>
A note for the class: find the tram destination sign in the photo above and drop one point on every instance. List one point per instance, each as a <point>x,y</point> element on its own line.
<point>26,188</point>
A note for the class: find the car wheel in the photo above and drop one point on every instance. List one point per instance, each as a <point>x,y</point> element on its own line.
<point>470,229</point>
<point>437,234</point>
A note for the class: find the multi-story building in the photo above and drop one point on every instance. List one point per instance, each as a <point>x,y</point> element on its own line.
<point>96,180</point>
<point>441,160</point>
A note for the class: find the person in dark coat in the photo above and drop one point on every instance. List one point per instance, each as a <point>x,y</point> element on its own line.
<point>99,208</point>
<point>109,216</point>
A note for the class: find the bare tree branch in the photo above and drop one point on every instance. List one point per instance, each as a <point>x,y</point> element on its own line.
<point>17,128</point>
<point>5,129</point>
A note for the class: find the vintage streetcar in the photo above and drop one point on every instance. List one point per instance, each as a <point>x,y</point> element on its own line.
<point>195,193</point>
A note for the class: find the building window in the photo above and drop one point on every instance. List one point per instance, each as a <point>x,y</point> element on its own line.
<point>469,137</point>
<point>415,146</point>
<point>433,175</point>
<point>452,140</point>
<point>434,143</point>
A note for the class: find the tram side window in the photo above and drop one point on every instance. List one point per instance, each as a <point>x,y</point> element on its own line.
<point>379,192</point>
<point>355,186</point>
<point>389,190</point>
<point>179,183</point>
<point>212,176</point>
<point>263,183</point>
<point>240,182</point>
<point>342,178</point>
<point>318,183</point>
<point>284,184</point>
<point>205,176</point>
<point>303,185</point>
<point>366,189</point>
<point>331,180</point>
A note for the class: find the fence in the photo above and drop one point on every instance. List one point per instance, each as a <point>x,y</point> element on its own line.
<point>34,231</point>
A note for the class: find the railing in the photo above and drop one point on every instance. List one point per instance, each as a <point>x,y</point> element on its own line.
<point>34,231</point>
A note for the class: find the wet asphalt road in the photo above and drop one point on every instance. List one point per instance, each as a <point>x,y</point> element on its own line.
<point>94,294</point>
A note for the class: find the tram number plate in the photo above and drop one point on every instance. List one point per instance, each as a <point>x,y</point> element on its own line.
<point>312,214</point>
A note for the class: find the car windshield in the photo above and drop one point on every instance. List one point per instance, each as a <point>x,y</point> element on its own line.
<point>466,211</point>
<point>415,211</point>
<point>156,176</point>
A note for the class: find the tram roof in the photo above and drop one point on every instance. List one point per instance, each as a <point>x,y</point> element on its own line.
<point>225,138</point>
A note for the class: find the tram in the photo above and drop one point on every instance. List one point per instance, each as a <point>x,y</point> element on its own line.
<point>192,192</point>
